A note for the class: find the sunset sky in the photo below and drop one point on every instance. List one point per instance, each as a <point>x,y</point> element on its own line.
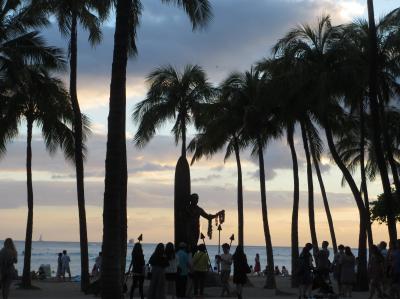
<point>242,32</point>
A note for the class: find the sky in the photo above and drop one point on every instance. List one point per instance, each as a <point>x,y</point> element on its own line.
<point>241,33</point>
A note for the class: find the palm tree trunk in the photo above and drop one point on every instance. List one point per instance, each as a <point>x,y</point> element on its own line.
<point>388,147</point>
<point>270,282</point>
<point>362,274</point>
<point>184,232</point>
<point>239,192</point>
<point>311,214</point>
<point>115,186</point>
<point>364,188</point>
<point>295,212</point>
<point>124,216</point>
<point>78,154</point>
<point>324,197</point>
<point>376,123</point>
<point>26,275</point>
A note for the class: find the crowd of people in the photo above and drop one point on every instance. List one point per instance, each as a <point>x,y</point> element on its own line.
<point>383,270</point>
<point>182,272</point>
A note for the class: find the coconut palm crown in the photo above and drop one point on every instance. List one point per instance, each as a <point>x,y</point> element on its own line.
<point>172,96</point>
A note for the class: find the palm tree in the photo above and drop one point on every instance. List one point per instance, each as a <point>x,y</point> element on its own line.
<point>320,53</point>
<point>127,20</point>
<point>177,96</point>
<point>39,99</point>
<point>281,73</point>
<point>311,213</point>
<point>316,148</point>
<point>20,43</point>
<point>88,14</point>
<point>356,154</point>
<point>220,124</point>
<point>377,128</point>
<point>260,126</point>
<point>387,49</point>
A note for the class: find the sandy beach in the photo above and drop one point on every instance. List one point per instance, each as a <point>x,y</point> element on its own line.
<point>68,290</point>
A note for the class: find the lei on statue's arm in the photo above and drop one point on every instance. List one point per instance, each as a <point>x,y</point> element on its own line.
<point>219,219</point>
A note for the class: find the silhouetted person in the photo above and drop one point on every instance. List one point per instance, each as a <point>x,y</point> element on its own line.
<point>138,266</point>
<point>277,271</point>
<point>59,266</point>
<point>322,261</point>
<point>183,270</point>
<point>97,265</point>
<point>158,263</point>
<point>304,272</point>
<point>382,247</point>
<point>285,272</point>
<point>200,268</point>
<point>194,213</point>
<point>225,265</point>
<point>376,272</point>
<point>347,274</point>
<point>240,270</point>
<point>65,260</point>
<point>257,265</point>
<point>171,270</point>
<point>8,257</point>
<point>394,263</point>
<point>337,264</point>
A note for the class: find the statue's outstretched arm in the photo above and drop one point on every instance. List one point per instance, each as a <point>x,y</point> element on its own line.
<point>209,216</point>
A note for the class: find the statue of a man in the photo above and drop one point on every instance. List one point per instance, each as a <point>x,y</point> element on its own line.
<point>194,213</point>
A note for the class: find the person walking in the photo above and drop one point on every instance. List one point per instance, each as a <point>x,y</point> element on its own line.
<point>305,272</point>
<point>376,271</point>
<point>158,263</point>
<point>257,265</point>
<point>137,267</point>
<point>182,270</point>
<point>240,270</point>
<point>337,263</point>
<point>65,260</point>
<point>171,270</point>
<point>200,268</point>
<point>225,263</point>
<point>347,274</point>
<point>59,266</point>
<point>8,257</point>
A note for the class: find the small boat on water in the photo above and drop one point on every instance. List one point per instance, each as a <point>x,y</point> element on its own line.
<point>131,241</point>
<point>40,238</point>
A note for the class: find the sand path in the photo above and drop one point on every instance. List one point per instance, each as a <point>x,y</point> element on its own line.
<point>70,290</point>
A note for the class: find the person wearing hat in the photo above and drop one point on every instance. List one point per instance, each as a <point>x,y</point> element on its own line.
<point>183,270</point>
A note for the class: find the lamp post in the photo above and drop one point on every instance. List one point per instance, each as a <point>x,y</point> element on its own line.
<point>219,239</point>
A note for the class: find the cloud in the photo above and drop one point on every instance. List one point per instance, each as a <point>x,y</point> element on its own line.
<point>153,194</point>
<point>240,33</point>
<point>208,178</point>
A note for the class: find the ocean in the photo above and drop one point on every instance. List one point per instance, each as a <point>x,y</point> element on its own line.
<point>46,253</point>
